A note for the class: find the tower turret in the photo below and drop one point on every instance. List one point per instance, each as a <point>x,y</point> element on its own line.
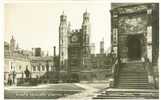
<point>86,32</point>
<point>102,47</point>
<point>63,41</point>
<point>12,44</point>
<point>86,40</point>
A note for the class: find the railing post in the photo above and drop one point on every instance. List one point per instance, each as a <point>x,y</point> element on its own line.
<point>148,67</point>
<point>114,74</point>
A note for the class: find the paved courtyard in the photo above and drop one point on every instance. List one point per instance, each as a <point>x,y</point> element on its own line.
<point>55,91</point>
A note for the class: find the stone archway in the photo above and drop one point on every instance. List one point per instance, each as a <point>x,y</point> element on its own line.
<point>134,48</point>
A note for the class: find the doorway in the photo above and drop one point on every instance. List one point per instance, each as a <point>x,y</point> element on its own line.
<point>134,48</point>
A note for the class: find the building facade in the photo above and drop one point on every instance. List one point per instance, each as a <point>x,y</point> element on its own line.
<point>84,65</point>
<point>21,65</point>
<point>16,64</point>
<point>135,42</point>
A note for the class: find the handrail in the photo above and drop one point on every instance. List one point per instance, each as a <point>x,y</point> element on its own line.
<point>114,73</point>
<point>149,69</point>
<point>114,66</point>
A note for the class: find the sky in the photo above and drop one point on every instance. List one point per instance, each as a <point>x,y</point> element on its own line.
<point>37,24</point>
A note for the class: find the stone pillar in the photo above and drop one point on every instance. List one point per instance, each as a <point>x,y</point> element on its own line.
<point>114,50</point>
<point>114,31</point>
<point>155,42</point>
<point>149,47</point>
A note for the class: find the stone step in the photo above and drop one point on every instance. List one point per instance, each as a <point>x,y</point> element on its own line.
<point>125,97</point>
<point>116,93</point>
<point>127,79</point>
<point>128,74</point>
<point>124,94</point>
<point>133,81</point>
<point>116,90</point>
<point>132,67</point>
<point>132,84</point>
<point>134,87</point>
<point>133,70</point>
<point>109,97</point>
<point>133,63</point>
<point>127,87</point>
<point>133,73</point>
<point>133,77</point>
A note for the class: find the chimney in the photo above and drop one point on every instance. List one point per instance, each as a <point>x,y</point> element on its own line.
<point>54,51</point>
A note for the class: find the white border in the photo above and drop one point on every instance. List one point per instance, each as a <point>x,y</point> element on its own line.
<point>56,1</point>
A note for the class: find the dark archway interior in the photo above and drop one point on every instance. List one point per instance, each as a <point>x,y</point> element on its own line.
<point>134,48</point>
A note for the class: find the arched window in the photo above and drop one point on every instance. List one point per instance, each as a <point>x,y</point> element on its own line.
<point>20,67</point>
<point>38,67</point>
<point>43,68</point>
<point>34,68</point>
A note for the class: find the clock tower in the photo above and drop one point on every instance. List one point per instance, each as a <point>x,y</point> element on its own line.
<point>74,51</point>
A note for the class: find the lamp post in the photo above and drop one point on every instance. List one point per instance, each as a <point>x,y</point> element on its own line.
<point>13,73</point>
<point>54,54</point>
<point>55,65</point>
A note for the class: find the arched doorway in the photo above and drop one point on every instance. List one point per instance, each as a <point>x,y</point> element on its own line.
<point>134,48</point>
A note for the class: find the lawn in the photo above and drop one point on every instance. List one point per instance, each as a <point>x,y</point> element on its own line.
<point>50,91</point>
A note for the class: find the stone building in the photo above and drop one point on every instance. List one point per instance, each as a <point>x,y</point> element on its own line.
<point>41,65</point>
<point>75,51</point>
<point>83,64</point>
<point>15,63</point>
<point>75,54</point>
<point>135,44</point>
<point>74,46</point>
<point>21,64</point>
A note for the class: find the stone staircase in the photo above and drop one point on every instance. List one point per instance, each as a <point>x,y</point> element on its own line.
<point>122,94</point>
<point>132,83</point>
<point>132,75</point>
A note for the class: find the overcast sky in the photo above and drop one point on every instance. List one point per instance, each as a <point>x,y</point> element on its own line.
<point>37,24</point>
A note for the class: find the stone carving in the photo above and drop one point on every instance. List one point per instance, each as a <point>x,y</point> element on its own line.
<point>132,9</point>
<point>133,24</point>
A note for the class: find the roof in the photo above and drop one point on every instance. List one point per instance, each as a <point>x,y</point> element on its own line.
<point>6,43</point>
<point>120,5</point>
<point>46,58</point>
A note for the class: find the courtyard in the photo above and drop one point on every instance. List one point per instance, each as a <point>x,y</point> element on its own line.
<point>55,91</point>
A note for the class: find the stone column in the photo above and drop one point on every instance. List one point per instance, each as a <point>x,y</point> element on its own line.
<point>149,47</point>
<point>114,39</point>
